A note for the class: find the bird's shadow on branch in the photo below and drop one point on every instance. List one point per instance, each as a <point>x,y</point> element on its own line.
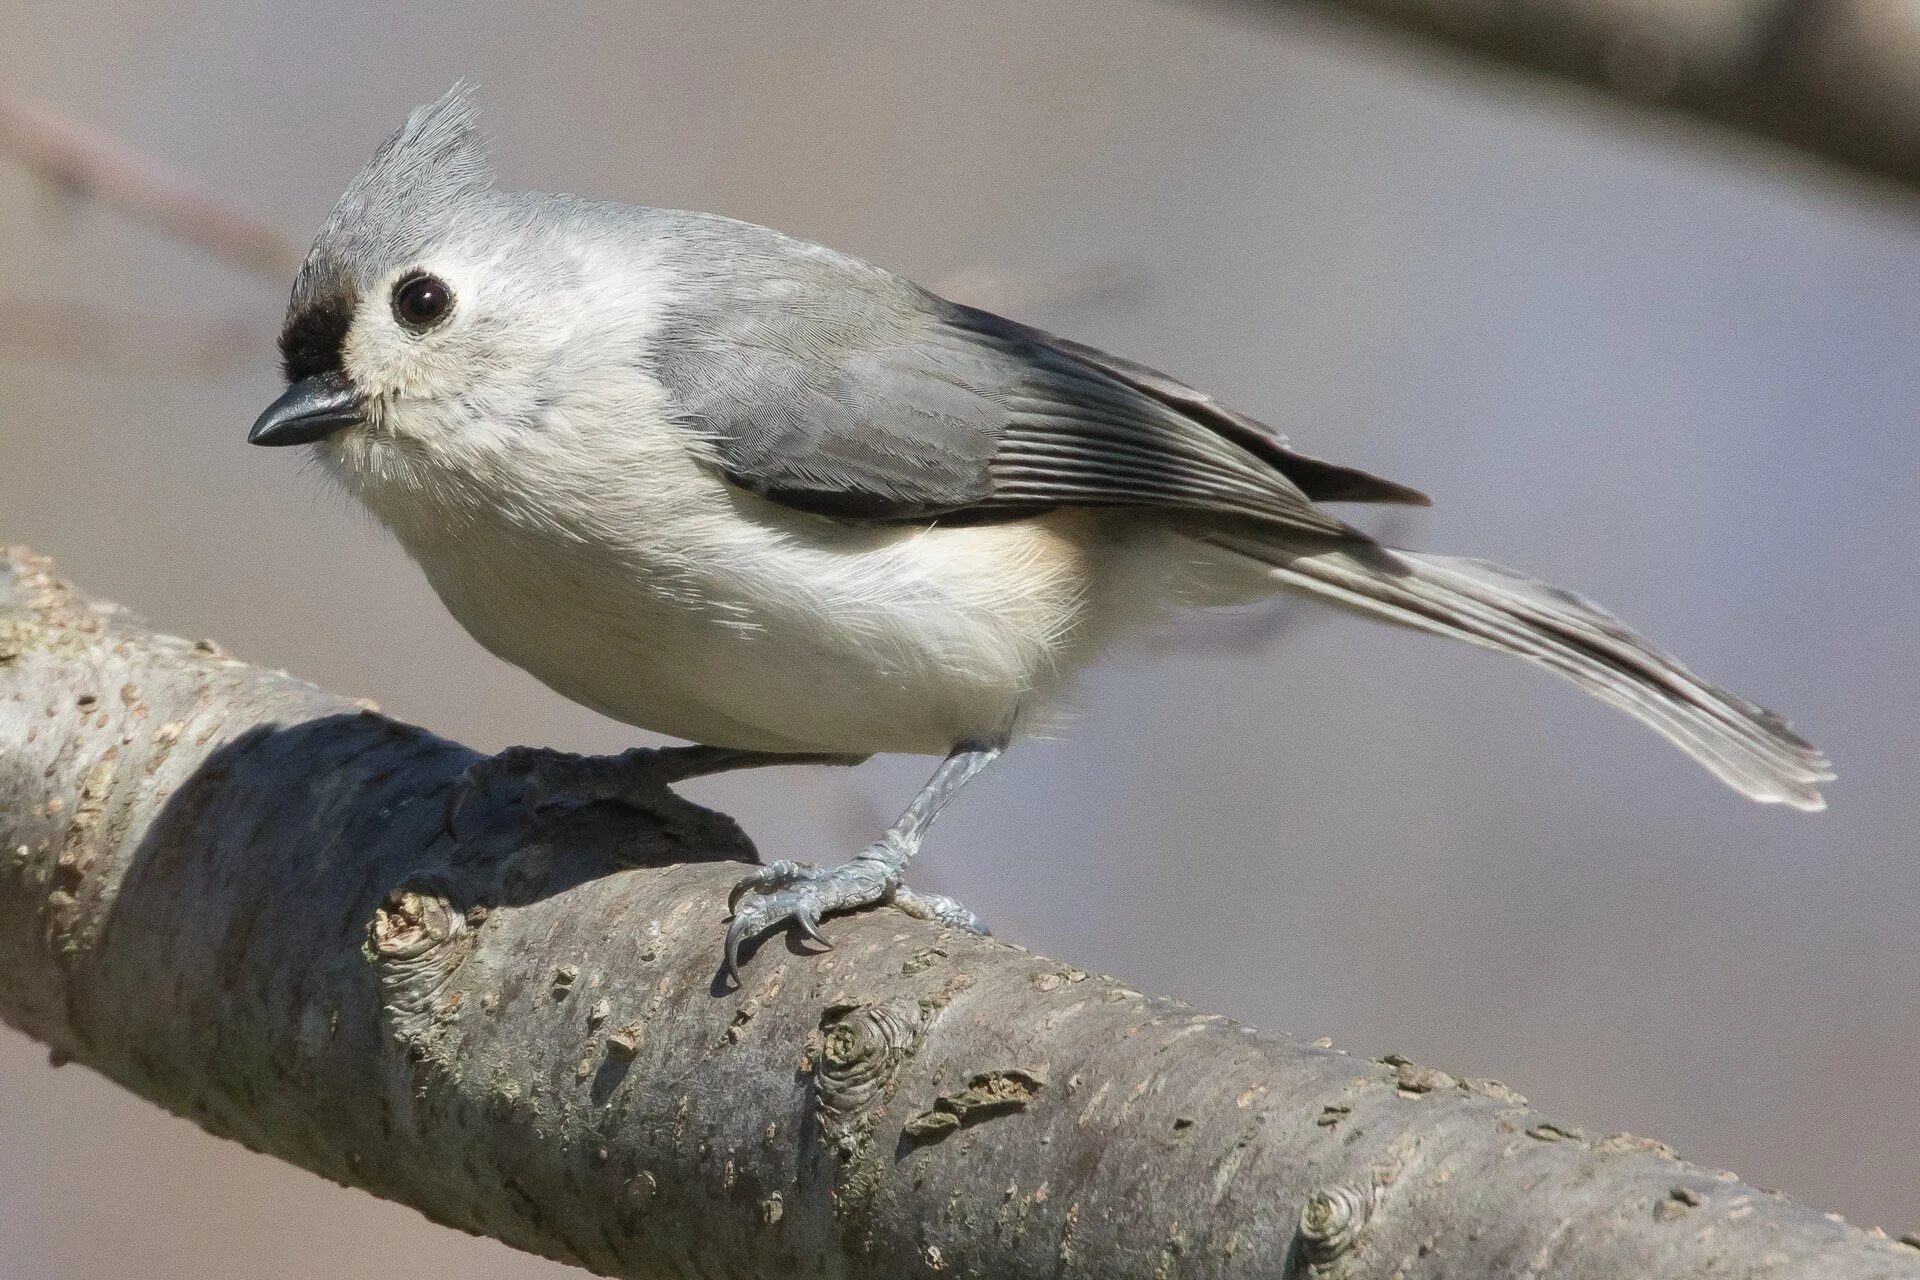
<point>326,844</point>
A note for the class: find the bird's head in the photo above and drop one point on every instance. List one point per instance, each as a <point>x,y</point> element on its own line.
<point>427,319</point>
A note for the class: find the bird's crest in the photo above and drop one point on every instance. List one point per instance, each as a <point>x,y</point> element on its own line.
<point>440,146</point>
<point>407,193</point>
<point>404,201</point>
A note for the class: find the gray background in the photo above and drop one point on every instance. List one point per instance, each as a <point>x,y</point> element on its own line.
<point>1672,373</point>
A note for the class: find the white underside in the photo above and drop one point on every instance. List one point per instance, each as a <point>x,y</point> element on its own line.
<point>848,641</point>
<point>676,603</point>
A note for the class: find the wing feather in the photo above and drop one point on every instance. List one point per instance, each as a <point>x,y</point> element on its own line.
<point>834,387</point>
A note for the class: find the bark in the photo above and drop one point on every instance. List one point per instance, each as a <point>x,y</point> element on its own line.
<point>1839,79</point>
<point>242,898</point>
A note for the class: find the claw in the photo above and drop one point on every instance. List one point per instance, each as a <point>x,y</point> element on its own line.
<point>735,935</point>
<point>741,888</point>
<point>796,894</point>
<point>775,875</point>
<point>809,925</point>
<point>765,913</point>
<point>744,926</point>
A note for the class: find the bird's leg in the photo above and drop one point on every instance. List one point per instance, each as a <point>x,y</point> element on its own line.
<point>631,777</point>
<point>797,894</point>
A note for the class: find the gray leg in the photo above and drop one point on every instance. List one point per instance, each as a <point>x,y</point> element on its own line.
<point>797,894</point>
<point>632,776</point>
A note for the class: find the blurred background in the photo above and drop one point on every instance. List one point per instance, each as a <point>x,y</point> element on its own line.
<point>1671,372</point>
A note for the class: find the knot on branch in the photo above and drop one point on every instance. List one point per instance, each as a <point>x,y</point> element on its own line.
<point>861,1051</point>
<point>412,939</point>
<point>1331,1222</point>
<point>415,921</point>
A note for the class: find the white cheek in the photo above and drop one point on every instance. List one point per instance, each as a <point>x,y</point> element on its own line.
<point>387,360</point>
<point>379,358</point>
<point>455,397</point>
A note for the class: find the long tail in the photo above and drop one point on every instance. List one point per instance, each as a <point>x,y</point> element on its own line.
<point>1747,747</point>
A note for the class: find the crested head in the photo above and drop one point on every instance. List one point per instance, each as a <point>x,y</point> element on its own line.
<point>439,322</point>
<point>398,207</point>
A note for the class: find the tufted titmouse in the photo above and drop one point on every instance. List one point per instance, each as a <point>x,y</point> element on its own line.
<point>740,489</point>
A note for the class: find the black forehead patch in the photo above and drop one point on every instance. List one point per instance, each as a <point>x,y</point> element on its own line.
<point>312,339</point>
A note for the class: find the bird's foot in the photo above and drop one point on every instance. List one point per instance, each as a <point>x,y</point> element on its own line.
<point>797,894</point>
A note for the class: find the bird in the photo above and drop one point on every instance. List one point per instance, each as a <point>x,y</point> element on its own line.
<point>735,488</point>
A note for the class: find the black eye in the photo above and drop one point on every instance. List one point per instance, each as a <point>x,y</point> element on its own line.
<point>421,301</point>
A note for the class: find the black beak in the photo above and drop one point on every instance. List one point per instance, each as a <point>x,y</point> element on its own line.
<point>312,409</point>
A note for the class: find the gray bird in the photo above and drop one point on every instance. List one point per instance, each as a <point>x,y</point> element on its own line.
<point>746,491</point>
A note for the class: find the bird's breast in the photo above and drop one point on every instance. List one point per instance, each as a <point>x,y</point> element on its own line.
<point>678,604</point>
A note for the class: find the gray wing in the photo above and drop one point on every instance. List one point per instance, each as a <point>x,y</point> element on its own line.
<point>833,387</point>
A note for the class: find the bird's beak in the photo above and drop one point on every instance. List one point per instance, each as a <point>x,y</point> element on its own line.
<point>312,409</point>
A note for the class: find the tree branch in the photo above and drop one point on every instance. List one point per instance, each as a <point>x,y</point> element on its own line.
<point>83,162</point>
<point>238,896</point>
<point>1839,79</point>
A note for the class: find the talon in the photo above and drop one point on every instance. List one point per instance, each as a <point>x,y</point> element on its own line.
<point>741,888</point>
<point>773,876</point>
<point>809,925</point>
<point>796,895</point>
<point>737,933</point>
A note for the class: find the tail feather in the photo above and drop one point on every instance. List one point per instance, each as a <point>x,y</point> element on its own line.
<point>1747,747</point>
